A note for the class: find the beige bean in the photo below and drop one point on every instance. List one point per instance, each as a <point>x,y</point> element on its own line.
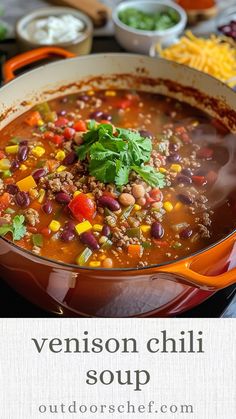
<point>126,199</point>
<point>138,191</point>
<point>141,201</point>
<point>107,263</point>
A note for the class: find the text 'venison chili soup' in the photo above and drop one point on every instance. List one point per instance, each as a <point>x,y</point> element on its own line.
<point>113,179</point>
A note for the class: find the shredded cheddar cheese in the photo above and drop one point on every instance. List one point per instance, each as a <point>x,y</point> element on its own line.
<point>214,55</point>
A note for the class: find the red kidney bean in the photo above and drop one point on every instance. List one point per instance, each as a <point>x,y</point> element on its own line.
<point>96,115</point>
<point>173,147</point>
<point>62,113</point>
<point>70,225</point>
<point>23,152</point>
<point>173,157</point>
<point>89,239</point>
<point>205,153</point>
<point>37,174</point>
<point>106,116</point>
<point>187,172</point>
<point>185,199</point>
<point>106,231</point>
<point>12,189</point>
<point>70,158</point>
<point>109,202</point>
<point>15,165</point>
<point>145,133</point>
<point>84,98</point>
<point>62,198</point>
<point>186,233</point>
<point>157,231</point>
<point>47,207</point>
<point>184,179</point>
<point>22,199</point>
<point>67,235</point>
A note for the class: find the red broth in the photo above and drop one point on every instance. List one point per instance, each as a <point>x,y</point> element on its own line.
<point>81,207</point>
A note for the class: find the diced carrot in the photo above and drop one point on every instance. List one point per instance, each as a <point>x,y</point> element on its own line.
<point>57,139</point>
<point>52,165</point>
<point>33,118</point>
<point>134,250</point>
<point>48,135</point>
<point>80,126</point>
<point>5,200</point>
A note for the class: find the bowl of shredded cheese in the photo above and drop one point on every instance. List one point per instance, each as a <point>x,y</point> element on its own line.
<point>215,55</point>
<point>55,26</point>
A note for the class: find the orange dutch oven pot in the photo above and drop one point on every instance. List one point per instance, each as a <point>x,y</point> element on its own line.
<point>160,290</point>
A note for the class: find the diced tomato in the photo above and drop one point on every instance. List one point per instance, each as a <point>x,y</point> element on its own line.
<point>205,153</point>
<point>57,139</point>
<point>82,207</point>
<point>199,180</point>
<point>156,194</point>
<point>5,200</point>
<point>149,200</point>
<point>69,133</point>
<point>124,104</point>
<point>45,231</point>
<point>61,122</point>
<point>80,126</point>
<point>48,135</point>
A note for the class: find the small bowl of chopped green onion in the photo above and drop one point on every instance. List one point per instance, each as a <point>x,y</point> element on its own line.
<point>138,24</point>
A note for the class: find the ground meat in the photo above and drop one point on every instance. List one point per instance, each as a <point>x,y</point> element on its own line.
<point>31,216</point>
<point>60,182</point>
<point>78,167</point>
<point>204,232</point>
<point>1,186</point>
<point>36,250</point>
<point>206,219</point>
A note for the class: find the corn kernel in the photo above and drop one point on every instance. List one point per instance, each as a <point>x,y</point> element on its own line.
<point>137,207</point>
<point>168,206</point>
<point>60,155</point>
<point>175,168</point>
<point>23,167</point>
<point>42,194</point>
<point>40,123</point>
<point>54,226</point>
<point>110,93</point>
<point>61,169</point>
<point>178,206</point>
<point>82,227</point>
<point>97,227</point>
<point>90,195</point>
<point>5,164</point>
<point>12,149</point>
<point>76,193</point>
<point>95,263</point>
<point>145,228</point>
<point>38,151</point>
<point>33,193</point>
<point>90,92</point>
<point>162,170</point>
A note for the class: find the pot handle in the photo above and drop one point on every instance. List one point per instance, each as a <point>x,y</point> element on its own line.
<point>30,57</point>
<point>218,258</point>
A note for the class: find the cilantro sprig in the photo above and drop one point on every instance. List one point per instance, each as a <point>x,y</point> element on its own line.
<point>113,155</point>
<point>17,228</point>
